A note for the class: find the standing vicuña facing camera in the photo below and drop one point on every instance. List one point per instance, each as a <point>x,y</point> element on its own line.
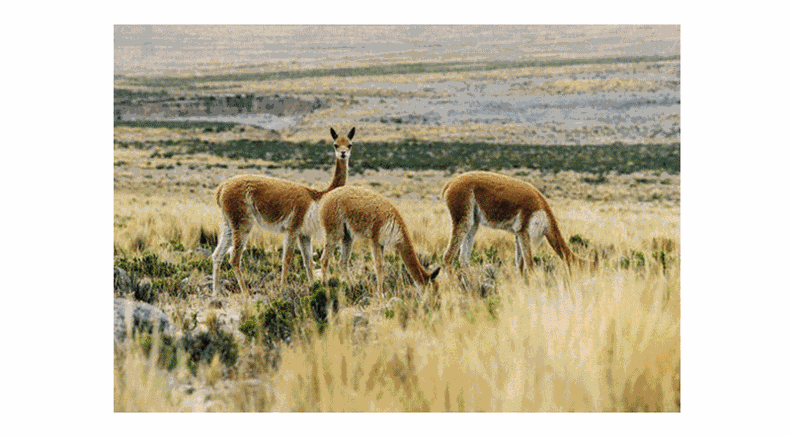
<point>276,205</point>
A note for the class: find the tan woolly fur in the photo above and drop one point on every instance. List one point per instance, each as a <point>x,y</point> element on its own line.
<point>350,212</point>
<point>501,202</point>
<point>278,206</point>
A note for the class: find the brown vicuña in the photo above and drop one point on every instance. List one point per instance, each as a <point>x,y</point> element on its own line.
<point>276,205</point>
<point>504,203</point>
<point>350,212</point>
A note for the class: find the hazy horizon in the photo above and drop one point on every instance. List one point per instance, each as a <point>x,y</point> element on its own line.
<point>189,49</point>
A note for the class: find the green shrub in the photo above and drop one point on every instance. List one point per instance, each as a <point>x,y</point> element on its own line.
<point>276,323</point>
<point>578,240</point>
<point>492,304</point>
<point>413,154</point>
<point>635,259</point>
<point>137,290</point>
<point>249,327</point>
<point>168,352</point>
<point>320,302</point>
<point>169,286</point>
<point>148,264</point>
<point>202,264</point>
<point>203,346</point>
<point>544,261</point>
<point>173,245</point>
<point>207,126</point>
<point>663,259</point>
<point>485,255</point>
<point>595,180</point>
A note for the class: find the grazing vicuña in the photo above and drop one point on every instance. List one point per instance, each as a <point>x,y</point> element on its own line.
<point>501,202</point>
<point>351,212</point>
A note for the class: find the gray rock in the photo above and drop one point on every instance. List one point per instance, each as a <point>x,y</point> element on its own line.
<point>141,317</point>
<point>121,280</point>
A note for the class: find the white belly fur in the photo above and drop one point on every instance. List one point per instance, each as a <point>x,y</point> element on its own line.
<point>311,226</point>
<point>390,234</point>
<point>538,227</point>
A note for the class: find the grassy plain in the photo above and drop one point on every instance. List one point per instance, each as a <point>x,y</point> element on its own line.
<point>486,341</point>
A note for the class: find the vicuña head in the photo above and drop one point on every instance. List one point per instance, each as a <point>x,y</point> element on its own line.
<point>277,205</point>
<point>504,203</point>
<point>350,212</point>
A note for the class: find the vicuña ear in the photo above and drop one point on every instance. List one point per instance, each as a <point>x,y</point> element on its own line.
<point>351,133</point>
<point>333,133</point>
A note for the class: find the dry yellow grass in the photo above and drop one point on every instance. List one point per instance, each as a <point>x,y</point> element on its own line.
<point>591,344</point>
<point>605,341</point>
<point>146,223</point>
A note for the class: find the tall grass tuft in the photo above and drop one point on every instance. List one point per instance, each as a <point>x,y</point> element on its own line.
<point>604,343</point>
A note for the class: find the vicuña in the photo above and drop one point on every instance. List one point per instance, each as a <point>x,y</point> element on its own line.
<point>276,205</point>
<point>504,203</point>
<point>351,212</point>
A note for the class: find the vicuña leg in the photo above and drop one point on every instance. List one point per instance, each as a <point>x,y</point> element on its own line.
<point>306,246</point>
<point>345,253</point>
<point>378,259</point>
<point>469,239</point>
<point>329,251</point>
<point>289,245</point>
<point>523,253</point>
<point>240,237</point>
<point>463,221</point>
<point>461,241</point>
<point>329,248</point>
<point>223,245</point>
<point>519,255</point>
<point>333,238</point>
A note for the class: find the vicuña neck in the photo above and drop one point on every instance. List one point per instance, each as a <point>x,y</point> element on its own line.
<point>341,174</point>
<point>409,257</point>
